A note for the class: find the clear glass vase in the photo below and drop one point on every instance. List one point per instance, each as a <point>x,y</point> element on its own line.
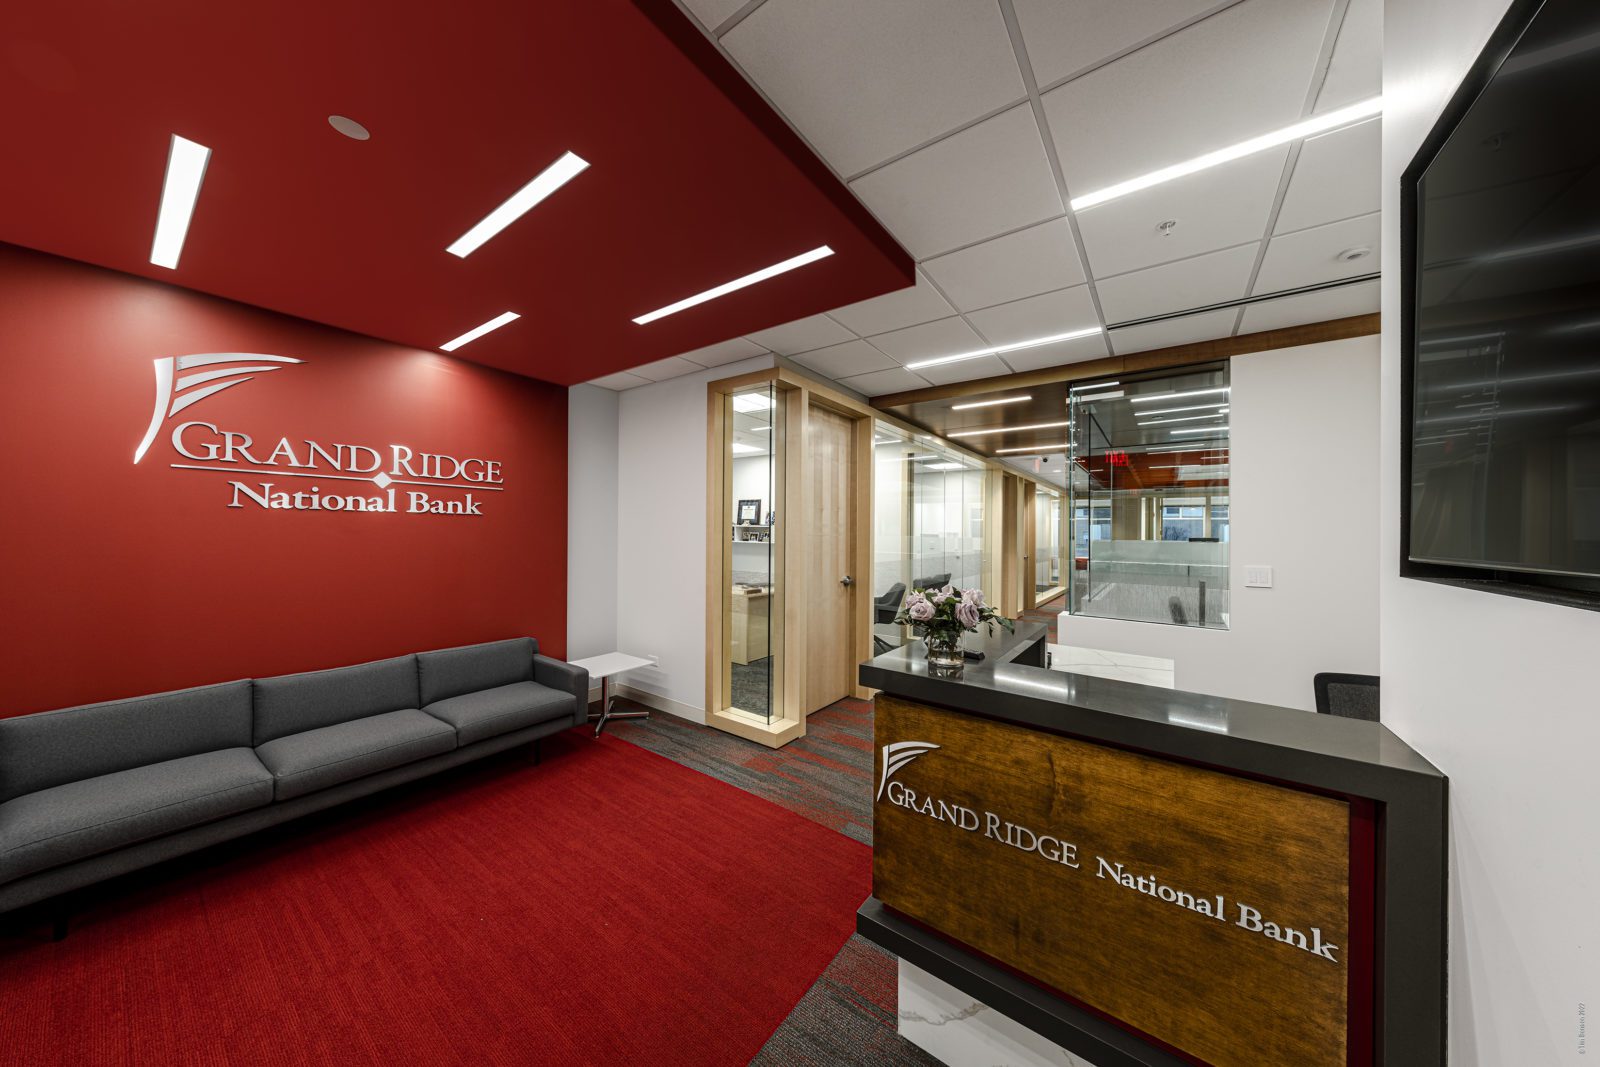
<point>944,654</point>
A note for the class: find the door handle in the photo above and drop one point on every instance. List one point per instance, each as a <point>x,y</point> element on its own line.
<point>847,580</point>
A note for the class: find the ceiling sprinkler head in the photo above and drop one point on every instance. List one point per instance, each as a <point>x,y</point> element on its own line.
<point>1358,252</point>
<point>1167,227</point>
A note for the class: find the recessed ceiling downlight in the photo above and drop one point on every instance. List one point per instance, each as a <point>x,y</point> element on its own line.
<point>349,127</point>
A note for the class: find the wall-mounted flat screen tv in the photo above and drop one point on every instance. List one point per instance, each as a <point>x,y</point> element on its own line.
<point>1504,311</point>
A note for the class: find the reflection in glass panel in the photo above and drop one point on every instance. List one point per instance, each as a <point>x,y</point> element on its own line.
<point>927,519</point>
<point>1149,499</point>
<point>752,495</point>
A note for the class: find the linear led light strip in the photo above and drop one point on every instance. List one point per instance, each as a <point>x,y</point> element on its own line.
<point>1035,448</point>
<point>186,169</point>
<point>1314,125</point>
<point>1201,429</point>
<point>820,252</point>
<point>478,331</point>
<point>522,201</point>
<point>1010,429</point>
<point>1093,385</point>
<point>1001,349</point>
<point>1177,396</point>
<point>1185,418</point>
<point>990,403</point>
<point>1191,407</point>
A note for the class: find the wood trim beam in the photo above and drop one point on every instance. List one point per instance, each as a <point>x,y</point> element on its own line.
<point>1158,359</point>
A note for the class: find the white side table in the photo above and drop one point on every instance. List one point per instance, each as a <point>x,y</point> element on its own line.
<point>603,667</point>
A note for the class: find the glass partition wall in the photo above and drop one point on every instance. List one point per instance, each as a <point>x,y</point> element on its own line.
<point>928,524</point>
<point>1149,502</point>
<point>752,495</point>
<point>1048,578</point>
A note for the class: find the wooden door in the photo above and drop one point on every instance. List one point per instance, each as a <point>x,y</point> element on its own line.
<point>830,534</point>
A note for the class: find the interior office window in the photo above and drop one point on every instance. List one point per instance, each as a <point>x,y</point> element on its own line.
<point>1149,498</point>
<point>754,441</point>
<point>928,509</point>
<point>1047,512</point>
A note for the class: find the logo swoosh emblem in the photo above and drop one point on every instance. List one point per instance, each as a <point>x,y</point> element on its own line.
<point>174,393</point>
<point>898,755</point>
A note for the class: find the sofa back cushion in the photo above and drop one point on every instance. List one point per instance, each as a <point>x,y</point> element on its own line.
<point>53,748</point>
<point>454,671</point>
<point>295,703</point>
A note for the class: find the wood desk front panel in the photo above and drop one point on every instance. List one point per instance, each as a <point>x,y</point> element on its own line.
<point>977,839</point>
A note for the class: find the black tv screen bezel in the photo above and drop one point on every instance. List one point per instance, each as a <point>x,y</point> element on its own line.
<point>1550,588</point>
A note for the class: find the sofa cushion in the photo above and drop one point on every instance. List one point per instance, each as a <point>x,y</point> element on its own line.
<point>306,762</point>
<point>52,748</point>
<point>81,819</point>
<point>295,703</point>
<point>500,710</point>
<point>454,671</point>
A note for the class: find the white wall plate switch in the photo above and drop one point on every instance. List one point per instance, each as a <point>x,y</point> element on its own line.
<point>1258,577</point>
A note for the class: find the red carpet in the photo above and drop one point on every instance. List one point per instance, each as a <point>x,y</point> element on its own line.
<point>608,906</point>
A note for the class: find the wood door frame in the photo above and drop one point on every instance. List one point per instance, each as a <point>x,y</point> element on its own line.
<point>796,394</point>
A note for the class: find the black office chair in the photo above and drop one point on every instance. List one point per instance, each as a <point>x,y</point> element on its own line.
<point>1351,696</point>
<point>932,581</point>
<point>887,606</point>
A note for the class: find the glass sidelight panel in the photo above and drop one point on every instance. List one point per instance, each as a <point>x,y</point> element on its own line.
<point>928,510</point>
<point>1048,579</point>
<point>752,492</point>
<point>1149,499</point>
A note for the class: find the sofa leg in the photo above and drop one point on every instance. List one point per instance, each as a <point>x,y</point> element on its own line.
<point>58,930</point>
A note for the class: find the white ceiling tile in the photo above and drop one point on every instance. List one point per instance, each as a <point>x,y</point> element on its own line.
<point>620,380</point>
<point>879,382</point>
<point>1064,38</point>
<point>1214,209</point>
<point>865,82</point>
<point>1238,74</point>
<point>731,351</point>
<point>1058,354</point>
<point>802,335</point>
<point>984,181</point>
<point>965,371</point>
<point>1180,286</point>
<point>1336,177</point>
<point>713,13</point>
<point>1037,316</point>
<point>1035,260</point>
<point>891,311</point>
<point>841,361</point>
<point>662,369</point>
<point>1310,256</point>
<point>1187,330</point>
<point>944,337</point>
<point>1356,71</point>
<point>1347,300</point>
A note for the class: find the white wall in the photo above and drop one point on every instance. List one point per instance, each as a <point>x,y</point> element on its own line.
<point>660,559</point>
<point>1498,692</point>
<point>1304,501</point>
<point>591,521</point>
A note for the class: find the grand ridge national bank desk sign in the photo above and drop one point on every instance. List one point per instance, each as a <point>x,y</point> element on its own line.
<point>285,474</point>
<point>1207,911</point>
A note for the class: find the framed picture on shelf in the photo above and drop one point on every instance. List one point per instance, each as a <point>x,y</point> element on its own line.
<point>749,512</point>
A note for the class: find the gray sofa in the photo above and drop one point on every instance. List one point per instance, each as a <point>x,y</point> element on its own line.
<point>92,792</point>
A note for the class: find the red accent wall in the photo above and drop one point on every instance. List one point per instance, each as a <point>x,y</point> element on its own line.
<point>122,579</point>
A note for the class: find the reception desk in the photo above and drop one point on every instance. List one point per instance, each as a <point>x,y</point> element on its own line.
<point>1150,877</point>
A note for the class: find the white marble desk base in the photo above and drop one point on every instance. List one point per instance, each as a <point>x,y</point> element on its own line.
<point>955,1029</point>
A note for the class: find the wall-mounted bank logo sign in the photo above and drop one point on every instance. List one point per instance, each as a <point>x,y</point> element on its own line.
<point>436,479</point>
<point>897,755</point>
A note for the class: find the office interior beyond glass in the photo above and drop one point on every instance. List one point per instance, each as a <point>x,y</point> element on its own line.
<point>927,524</point>
<point>1148,486</point>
